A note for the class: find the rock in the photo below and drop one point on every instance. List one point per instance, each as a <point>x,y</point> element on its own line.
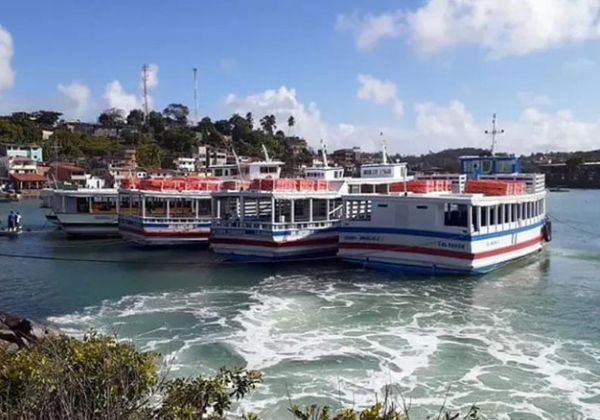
<point>22,332</point>
<point>9,347</point>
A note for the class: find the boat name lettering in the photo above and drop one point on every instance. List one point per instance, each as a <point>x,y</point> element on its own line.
<point>366,238</point>
<point>450,245</point>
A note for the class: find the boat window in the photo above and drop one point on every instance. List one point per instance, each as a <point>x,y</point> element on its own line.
<point>455,215</point>
<point>83,205</point>
<point>492,220</point>
<point>504,166</point>
<point>475,215</point>
<point>358,210</point>
<point>506,218</point>
<point>500,214</point>
<point>422,207</point>
<point>486,166</point>
<point>385,206</point>
<point>484,217</point>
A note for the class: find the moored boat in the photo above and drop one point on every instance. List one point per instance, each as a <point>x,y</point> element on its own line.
<point>277,219</point>
<point>494,216</point>
<point>88,213</point>
<point>167,212</point>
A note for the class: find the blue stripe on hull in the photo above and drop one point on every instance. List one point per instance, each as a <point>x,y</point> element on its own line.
<point>278,258</point>
<point>421,269</point>
<point>434,234</point>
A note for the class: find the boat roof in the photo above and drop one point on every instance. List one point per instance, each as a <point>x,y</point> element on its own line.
<point>447,197</point>
<point>280,195</point>
<point>88,192</point>
<point>167,194</point>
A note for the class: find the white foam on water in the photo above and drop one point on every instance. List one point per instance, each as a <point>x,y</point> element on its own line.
<point>349,340</point>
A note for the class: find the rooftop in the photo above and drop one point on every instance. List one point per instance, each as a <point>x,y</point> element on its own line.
<point>28,177</point>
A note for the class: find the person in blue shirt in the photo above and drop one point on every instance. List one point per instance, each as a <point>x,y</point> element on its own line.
<point>476,171</point>
<point>11,221</point>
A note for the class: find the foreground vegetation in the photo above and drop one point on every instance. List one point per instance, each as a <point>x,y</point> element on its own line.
<point>99,378</point>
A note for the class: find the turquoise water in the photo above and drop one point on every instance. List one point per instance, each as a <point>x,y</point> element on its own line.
<point>522,343</point>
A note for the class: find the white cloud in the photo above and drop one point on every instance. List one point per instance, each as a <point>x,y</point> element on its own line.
<point>380,92</point>
<point>500,27</point>
<point>7,74</point>
<point>437,127</point>
<point>528,99</point>
<point>579,66</point>
<point>370,29</point>
<point>78,95</point>
<point>228,65</point>
<point>116,96</point>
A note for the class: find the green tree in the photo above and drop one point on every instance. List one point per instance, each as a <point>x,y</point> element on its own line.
<point>135,118</point>
<point>269,123</point>
<point>149,155</point>
<point>179,141</point>
<point>47,119</point>
<point>250,119</point>
<point>156,122</point>
<point>112,118</point>
<point>223,127</point>
<point>176,114</point>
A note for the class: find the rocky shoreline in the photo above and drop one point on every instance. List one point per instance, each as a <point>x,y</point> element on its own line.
<point>17,333</point>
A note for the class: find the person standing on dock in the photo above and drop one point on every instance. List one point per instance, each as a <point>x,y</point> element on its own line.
<point>11,221</point>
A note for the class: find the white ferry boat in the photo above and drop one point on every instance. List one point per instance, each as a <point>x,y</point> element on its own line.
<point>167,215</point>
<point>178,211</point>
<point>487,217</point>
<point>292,218</point>
<point>277,219</point>
<point>87,212</point>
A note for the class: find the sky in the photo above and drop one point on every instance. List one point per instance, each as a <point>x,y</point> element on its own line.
<point>423,75</point>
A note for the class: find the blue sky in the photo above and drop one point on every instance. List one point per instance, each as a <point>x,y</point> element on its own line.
<point>428,73</point>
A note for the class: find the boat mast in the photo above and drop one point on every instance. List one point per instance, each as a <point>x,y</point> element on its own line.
<point>324,153</point>
<point>384,156</point>
<point>494,132</point>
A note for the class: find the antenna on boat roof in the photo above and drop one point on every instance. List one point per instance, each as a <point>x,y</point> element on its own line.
<point>384,156</point>
<point>238,164</point>
<point>494,132</point>
<point>324,153</point>
<point>266,152</point>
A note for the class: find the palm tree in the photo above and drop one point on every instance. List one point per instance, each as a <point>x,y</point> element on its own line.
<point>291,122</point>
<point>268,123</point>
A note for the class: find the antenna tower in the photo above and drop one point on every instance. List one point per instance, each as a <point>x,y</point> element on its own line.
<point>195,70</point>
<point>145,87</point>
<point>494,132</point>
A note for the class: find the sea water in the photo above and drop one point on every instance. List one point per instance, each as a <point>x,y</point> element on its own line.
<point>521,343</point>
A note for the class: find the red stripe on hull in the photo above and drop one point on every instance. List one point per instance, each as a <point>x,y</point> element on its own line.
<point>442,252</point>
<point>273,244</point>
<point>168,234</point>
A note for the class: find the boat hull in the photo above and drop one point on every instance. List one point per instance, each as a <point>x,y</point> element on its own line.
<point>148,234</point>
<point>424,252</point>
<point>89,225</point>
<point>248,245</point>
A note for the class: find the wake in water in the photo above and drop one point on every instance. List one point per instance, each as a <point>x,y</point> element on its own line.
<point>342,339</point>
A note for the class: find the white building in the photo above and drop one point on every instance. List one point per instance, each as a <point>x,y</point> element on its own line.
<point>185,164</point>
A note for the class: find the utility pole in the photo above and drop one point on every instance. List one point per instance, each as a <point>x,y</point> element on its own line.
<point>145,87</point>
<point>494,132</point>
<point>195,70</point>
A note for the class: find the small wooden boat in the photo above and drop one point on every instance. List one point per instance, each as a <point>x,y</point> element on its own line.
<point>10,233</point>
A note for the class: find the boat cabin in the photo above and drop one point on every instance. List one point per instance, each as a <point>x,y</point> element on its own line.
<point>249,170</point>
<point>476,166</point>
<point>85,201</point>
